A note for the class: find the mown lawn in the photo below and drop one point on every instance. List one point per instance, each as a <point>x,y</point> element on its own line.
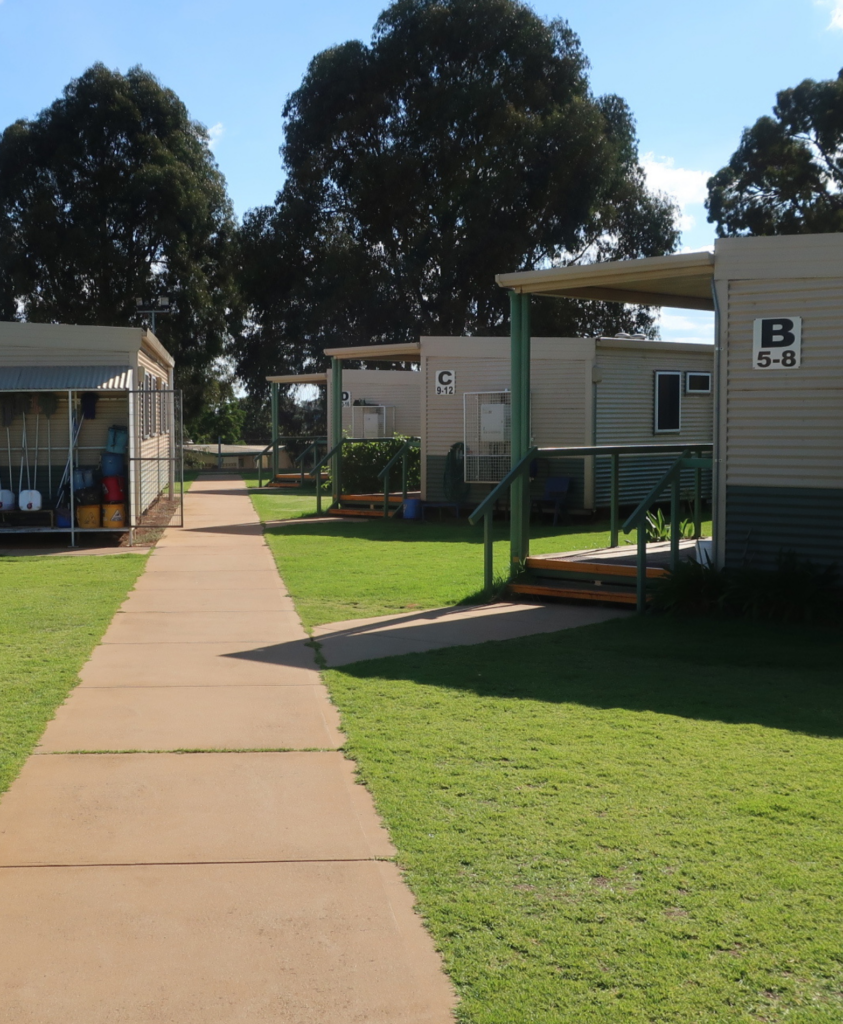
<point>347,569</point>
<point>634,822</point>
<point>53,613</point>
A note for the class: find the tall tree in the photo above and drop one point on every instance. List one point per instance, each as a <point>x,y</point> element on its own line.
<point>110,194</point>
<point>786,176</point>
<point>464,141</point>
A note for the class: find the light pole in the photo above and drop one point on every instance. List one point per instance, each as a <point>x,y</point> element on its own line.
<point>162,306</point>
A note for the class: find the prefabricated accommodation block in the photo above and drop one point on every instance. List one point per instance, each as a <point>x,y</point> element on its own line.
<point>583,392</point>
<point>395,394</point>
<point>779,433</point>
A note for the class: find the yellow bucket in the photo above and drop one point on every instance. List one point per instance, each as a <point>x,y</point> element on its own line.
<point>114,516</point>
<point>88,516</point>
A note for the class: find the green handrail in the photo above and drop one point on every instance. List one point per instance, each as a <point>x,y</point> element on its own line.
<point>402,453</point>
<point>329,455</point>
<point>673,478</point>
<point>485,508</point>
<point>314,447</point>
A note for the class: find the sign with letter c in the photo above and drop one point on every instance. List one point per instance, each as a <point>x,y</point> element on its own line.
<point>445,382</point>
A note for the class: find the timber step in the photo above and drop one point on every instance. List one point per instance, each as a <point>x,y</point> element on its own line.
<point>576,592</point>
<point>369,513</point>
<point>540,566</point>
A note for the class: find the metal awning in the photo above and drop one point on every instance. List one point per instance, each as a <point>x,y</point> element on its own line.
<point>682,281</point>
<point>409,351</point>
<point>65,378</point>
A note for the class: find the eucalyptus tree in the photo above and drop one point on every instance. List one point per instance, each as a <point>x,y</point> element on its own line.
<point>112,194</point>
<point>462,142</point>
<point>786,176</point>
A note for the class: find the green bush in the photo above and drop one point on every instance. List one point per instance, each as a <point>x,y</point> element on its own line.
<point>363,460</point>
<point>795,591</point>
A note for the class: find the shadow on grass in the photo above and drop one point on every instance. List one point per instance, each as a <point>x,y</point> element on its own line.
<point>728,671</point>
<point>413,531</point>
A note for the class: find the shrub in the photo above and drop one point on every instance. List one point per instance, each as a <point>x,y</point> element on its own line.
<point>795,591</point>
<point>362,461</point>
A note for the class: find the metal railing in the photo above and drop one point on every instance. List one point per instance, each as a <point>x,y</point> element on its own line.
<point>638,520</point>
<point>402,453</point>
<point>274,445</point>
<point>485,509</point>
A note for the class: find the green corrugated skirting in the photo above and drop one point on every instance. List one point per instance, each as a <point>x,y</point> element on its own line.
<point>763,522</point>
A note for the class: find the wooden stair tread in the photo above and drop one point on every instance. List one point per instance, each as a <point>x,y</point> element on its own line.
<point>590,568</point>
<point>575,592</point>
<point>371,513</point>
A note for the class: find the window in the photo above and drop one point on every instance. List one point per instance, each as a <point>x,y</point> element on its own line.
<point>668,404</point>
<point>697,383</point>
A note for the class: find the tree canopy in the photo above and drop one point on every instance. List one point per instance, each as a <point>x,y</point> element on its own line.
<point>110,194</point>
<point>786,176</point>
<point>463,142</point>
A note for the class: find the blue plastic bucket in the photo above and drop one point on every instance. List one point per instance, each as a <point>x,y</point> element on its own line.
<point>412,508</point>
<point>112,464</point>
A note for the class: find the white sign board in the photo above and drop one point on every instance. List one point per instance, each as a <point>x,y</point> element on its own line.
<point>445,382</point>
<point>346,399</point>
<point>777,343</point>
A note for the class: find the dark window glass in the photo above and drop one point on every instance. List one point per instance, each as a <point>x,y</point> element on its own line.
<point>668,391</point>
<point>699,382</point>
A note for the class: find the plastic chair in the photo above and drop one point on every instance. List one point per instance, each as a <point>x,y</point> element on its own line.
<point>556,494</point>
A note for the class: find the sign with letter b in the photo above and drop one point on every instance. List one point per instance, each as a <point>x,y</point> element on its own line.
<point>777,343</point>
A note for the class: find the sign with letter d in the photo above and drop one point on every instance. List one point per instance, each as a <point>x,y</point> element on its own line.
<point>777,343</point>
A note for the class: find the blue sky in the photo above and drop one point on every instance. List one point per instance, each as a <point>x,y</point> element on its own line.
<point>694,75</point>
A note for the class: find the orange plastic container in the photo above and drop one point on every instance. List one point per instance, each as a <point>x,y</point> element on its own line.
<point>114,516</point>
<point>88,517</point>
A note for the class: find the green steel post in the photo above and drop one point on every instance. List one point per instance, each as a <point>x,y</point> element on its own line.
<point>274,405</point>
<point>386,494</point>
<point>613,542</point>
<point>516,504</point>
<point>641,575</point>
<point>674,519</point>
<point>526,426</point>
<point>336,427</point>
<point>698,500</point>
<point>404,475</point>
<point>488,555</point>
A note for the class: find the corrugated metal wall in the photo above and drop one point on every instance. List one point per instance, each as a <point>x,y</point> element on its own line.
<point>560,400</point>
<point>624,413</point>
<point>400,389</point>
<point>784,428</point>
<point>763,522</point>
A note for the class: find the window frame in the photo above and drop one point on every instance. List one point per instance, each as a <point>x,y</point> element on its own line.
<point>678,375</point>
<point>698,373</point>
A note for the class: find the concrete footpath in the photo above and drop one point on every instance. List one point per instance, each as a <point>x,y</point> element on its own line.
<point>241,883</point>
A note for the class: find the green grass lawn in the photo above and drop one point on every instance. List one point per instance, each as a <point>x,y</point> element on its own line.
<point>53,613</point>
<point>634,822</point>
<point>346,569</point>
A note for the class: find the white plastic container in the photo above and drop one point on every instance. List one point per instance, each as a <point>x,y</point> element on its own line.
<point>30,501</point>
<point>7,500</point>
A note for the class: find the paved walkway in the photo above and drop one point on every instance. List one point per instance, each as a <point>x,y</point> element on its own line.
<point>414,632</point>
<point>239,885</point>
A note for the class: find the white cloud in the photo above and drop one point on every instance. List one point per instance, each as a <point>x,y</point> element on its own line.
<point>686,187</point>
<point>836,7</point>
<point>686,325</point>
<point>215,133</point>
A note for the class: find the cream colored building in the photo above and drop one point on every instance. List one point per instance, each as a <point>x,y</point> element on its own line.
<point>584,391</point>
<point>128,372</point>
